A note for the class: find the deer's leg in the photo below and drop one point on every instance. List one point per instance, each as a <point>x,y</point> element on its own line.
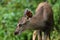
<point>46,35</point>
<point>39,35</point>
<point>34,35</point>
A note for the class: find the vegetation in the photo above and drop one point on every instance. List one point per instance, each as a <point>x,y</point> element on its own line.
<point>12,10</point>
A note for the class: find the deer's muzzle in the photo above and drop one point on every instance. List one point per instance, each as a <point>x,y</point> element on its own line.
<point>15,33</point>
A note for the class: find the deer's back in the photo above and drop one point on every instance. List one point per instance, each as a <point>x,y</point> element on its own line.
<point>43,17</point>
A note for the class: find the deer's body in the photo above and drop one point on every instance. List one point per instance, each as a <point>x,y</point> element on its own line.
<point>42,20</point>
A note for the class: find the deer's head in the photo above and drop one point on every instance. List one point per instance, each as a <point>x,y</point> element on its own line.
<point>22,21</point>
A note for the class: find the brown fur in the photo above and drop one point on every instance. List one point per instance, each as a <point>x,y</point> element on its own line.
<point>42,20</point>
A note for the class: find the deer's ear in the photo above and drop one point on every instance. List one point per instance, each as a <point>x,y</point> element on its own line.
<point>28,13</point>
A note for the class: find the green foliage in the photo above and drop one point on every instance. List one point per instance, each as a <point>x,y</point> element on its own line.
<point>12,10</point>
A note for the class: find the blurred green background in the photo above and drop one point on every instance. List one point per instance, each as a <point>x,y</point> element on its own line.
<point>12,10</point>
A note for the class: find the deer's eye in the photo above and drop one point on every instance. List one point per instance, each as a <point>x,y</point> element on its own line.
<point>27,17</point>
<point>20,24</point>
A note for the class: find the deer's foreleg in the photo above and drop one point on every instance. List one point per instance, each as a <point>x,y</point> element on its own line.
<point>34,35</point>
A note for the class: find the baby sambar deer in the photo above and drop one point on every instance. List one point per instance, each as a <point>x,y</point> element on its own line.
<point>42,21</point>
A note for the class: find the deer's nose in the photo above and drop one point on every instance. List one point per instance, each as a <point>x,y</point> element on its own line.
<point>16,33</point>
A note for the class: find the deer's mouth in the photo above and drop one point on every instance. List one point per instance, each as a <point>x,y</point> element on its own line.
<point>16,33</point>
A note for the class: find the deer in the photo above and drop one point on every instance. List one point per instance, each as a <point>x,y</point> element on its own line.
<point>41,21</point>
